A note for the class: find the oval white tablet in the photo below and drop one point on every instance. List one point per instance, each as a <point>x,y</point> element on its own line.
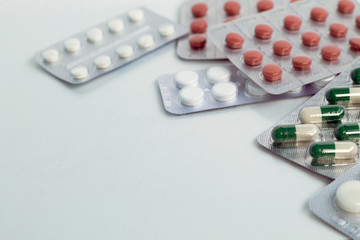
<point>186,78</point>
<point>102,62</point>
<point>255,90</point>
<point>136,15</point>
<point>218,74</point>
<point>94,35</point>
<point>50,56</point>
<point>322,83</point>
<point>348,196</point>
<point>224,91</point>
<point>166,30</point>
<point>79,73</point>
<point>72,45</point>
<point>125,51</point>
<point>116,25</point>
<point>146,41</point>
<point>191,96</point>
<point>297,90</point>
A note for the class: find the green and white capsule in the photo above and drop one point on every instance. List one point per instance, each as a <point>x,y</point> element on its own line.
<point>343,95</point>
<point>333,150</point>
<point>347,131</point>
<point>295,133</point>
<point>318,114</point>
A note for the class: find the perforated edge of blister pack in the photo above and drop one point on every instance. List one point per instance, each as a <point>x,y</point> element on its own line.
<point>298,154</point>
<point>323,205</point>
<point>247,92</point>
<point>291,78</point>
<point>79,67</point>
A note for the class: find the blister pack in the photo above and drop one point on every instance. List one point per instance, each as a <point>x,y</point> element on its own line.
<point>109,45</point>
<point>199,15</point>
<point>322,134</point>
<point>218,87</point>
<point>338,204</point>
<point>291,46</point>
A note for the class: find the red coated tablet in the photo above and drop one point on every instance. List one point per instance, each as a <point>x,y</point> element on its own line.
<point>263,31</point>
<point>292,1</point>
<point>355,43</point>
<point>292,22</point>
<point>301,63</point>
<point>319,14</point>
<point>311,39</point>
<point>330,52</point>
<point>282,48</point>
<point>264,5</point>
<point>230,19</point>
<point>253,57</point>
<point>272,73</point>
<point>346,6</point>
<point>358,21</point>
<point>197,42</point>
<point>234,40</point>
<point>199,10</point>
<point>198,26</point>
<point>338,30</point>
<point>232,8</point>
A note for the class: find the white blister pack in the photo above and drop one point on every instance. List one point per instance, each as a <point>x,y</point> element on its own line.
<point>199,15</point>
<point>292,46</point>
<point>108,46</point>
<point>338,204</point>
<point>323,134</point>
<point>217,87</point>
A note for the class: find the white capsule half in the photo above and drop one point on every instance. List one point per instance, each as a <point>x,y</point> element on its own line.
<point>191,96</point>
<point>186,78</point>
<point>224,91</point>
<point>348,196</point>
<point>218,74</point>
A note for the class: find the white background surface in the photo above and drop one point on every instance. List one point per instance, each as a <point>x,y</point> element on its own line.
<point>105,161</point>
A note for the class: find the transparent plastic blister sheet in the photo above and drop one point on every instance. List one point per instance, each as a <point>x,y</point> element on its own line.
<point>291,78</point>
<point>323,204</point>
<point>149,25</point>
<point>216,15</point>
<point>299,152</point>
<point>247,92</point>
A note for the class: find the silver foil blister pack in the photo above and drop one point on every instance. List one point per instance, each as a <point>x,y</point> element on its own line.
<point>215,15</point>
<point>108,45</point>
<point>299,152</point>
<point>217,87</point>
<point>327,204</point>
<point>291,77</point>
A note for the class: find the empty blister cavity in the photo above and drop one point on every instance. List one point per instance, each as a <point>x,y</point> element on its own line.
<point>191,96</point>
<point>218,74</point>
<point>186,78</point>
<point>224,91</point>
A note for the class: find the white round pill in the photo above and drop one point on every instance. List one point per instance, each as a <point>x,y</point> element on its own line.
<point>51,56</point>
<point>186,78</point>
<point>218,74</point>
<point>136,15</point>
<point>102,62</point>
<point>348,196</point>
<point>255,90</point>
<point>79,73</point>
<point>125,51</point>
<point>94,35</point>
<point>116,25</point>
<point>146,41</point>
<point>297,90</point>
<point>72,45</point>
<point>191,96</point>
<point>224,91</point>
<point>322,83</point>
<point>166,30</point>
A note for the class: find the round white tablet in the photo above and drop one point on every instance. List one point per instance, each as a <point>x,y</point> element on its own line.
<point>79,73</point>
<point>348,196</point>
<point>224,91</point>
<point>218,74</point>
<point>191,96</point>
<point>94,35</point>
<point>102,62</point>
<point>322,83</point>
<point>136,15</point>
<point>254,90</point>
<point>166,30</point>
<point>50,56</point>
<point>186,78</point>
<point>297,90</point>
<point>146,41</point>
<point>72,45</point>
<point>116,25</point>
<point>125,51</point>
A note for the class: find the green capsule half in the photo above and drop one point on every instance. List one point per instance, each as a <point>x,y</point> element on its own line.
<point>343,95</point>
<point>295,133</point>
<point>355,75</point>
<point>318,114</point>
<point>333,150</point>
<point>347,131</point>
